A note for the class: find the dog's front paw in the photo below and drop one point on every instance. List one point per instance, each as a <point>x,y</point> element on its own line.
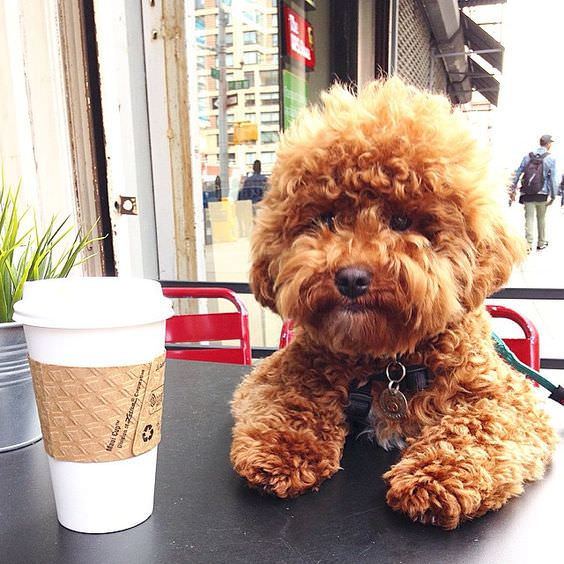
<point>431,496</point>
<point>284,463</point>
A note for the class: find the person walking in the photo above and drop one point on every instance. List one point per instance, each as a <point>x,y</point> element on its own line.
<point>537,173</point>
<point>254,185</point>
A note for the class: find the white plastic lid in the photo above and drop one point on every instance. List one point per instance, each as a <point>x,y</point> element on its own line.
<point>95,302</point>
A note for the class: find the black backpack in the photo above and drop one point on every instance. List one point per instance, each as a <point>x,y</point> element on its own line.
<point>533,175</point>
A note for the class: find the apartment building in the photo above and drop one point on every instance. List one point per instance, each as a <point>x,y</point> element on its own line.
<point>252,75</point>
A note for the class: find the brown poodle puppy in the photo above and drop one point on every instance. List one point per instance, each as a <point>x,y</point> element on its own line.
<point>380,238</point>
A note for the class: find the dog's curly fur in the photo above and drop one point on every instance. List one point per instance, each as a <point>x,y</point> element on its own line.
<point>391,183</point>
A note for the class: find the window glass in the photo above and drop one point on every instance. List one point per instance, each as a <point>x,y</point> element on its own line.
<point>237,143</point>
<point>251,17</point>
<point>268,118</point>
<point>269,137</point>
<point>242,33</point>
<point>269,98</point>
<point>269,77</point>
<point>250,37</point>
<point>250,77</point>
<point>202,104</point>
<point>251,57</point>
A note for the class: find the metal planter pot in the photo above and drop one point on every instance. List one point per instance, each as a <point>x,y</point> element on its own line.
<point>19,422</point>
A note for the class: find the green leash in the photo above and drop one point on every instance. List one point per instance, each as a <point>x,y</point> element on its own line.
<point>556,392</point>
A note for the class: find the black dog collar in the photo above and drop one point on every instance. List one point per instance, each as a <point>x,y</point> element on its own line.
<point>414,379</point>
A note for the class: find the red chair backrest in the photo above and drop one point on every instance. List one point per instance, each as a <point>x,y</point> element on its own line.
<point>196,328</point>
<point>526,349</point>
<point>287,333</point>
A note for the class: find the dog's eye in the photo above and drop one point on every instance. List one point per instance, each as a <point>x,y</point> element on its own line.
<point>400,222</point>
<point>328,219</point>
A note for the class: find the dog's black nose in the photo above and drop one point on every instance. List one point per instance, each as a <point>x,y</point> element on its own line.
<point>353,281</point>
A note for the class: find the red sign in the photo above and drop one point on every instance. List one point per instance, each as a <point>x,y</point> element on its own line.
<point>299,38</point>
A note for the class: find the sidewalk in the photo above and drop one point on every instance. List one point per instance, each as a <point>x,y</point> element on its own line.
<point>542,269</point>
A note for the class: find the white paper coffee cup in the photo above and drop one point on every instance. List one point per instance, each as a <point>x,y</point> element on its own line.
<point>99,324</point>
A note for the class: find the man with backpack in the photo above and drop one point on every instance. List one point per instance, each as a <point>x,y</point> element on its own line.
<point>537,173</point>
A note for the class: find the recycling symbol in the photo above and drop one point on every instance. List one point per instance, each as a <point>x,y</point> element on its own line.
<point>148,433</point>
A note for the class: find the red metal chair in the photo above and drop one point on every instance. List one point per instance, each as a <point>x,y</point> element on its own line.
<point>526,348</point>
<point>195,328</point>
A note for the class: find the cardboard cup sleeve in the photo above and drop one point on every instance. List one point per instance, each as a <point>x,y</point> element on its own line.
<point>99,414</point>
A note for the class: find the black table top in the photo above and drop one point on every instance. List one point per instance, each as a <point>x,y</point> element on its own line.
<point>205,513</point>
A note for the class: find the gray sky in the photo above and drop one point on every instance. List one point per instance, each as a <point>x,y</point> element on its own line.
<point>532,94</point>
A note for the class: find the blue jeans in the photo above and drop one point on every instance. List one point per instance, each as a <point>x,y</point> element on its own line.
<point>538,209</point>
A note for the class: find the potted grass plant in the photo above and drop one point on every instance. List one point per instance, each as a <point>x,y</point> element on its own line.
<point>27,252</point>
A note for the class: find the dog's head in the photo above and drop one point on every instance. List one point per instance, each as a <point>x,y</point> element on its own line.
<point>379,228</point>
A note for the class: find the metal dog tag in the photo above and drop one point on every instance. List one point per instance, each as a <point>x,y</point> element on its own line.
<point>393,403</point>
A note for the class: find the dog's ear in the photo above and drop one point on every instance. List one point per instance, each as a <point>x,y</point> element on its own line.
<point>265,250</point>
<point>262,283</point>
<point>497,251</point>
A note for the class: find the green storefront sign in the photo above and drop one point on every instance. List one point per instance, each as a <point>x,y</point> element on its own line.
<point>294,88</point>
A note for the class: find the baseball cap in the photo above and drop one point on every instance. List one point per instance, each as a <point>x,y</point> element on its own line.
<point>545,139</point>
